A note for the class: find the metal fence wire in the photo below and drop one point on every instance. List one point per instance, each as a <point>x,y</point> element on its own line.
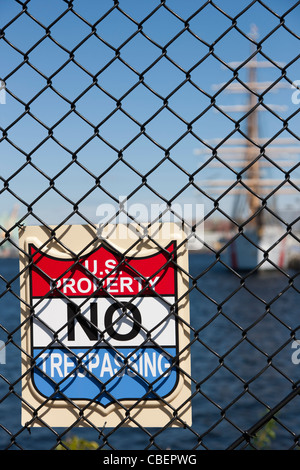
<point>163,102</point>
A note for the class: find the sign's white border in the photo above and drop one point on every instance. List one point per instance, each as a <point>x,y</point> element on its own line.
<point>81,239</point>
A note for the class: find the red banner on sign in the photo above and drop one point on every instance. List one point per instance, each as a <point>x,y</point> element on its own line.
<point>103,273</point>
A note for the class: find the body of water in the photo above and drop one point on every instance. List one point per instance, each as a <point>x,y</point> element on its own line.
<point>241,355</point>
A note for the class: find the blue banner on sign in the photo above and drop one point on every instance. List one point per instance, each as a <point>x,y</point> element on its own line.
<point>104,374</point>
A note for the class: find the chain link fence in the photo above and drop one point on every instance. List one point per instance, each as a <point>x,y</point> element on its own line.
<point>145,112</point>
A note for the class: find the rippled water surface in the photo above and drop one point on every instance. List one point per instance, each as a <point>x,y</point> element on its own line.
<point>241,334</point>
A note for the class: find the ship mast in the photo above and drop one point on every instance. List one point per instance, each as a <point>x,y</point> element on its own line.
<point>250,146</point>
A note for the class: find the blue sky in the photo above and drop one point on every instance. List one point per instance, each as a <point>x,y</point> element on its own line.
<point>118,84</point>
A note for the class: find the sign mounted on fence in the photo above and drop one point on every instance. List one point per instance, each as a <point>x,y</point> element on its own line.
<point>105,333</point>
